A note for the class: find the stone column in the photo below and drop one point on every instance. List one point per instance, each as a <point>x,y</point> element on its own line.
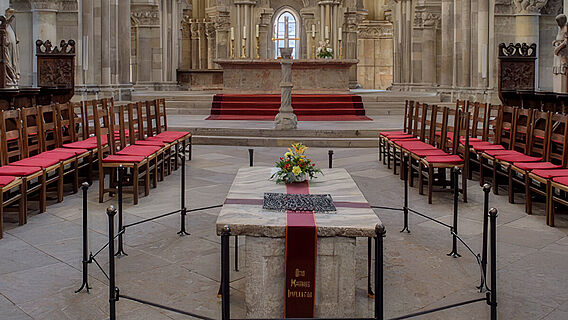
<point>202,45</point>
<point>429,22</point>
<point>447,42</point>
<point>265,32</point>
<point>222,37</point>
<point>88,35</point>
<point>350,44</point>
<point>286,119</point>
<point>210,33</point>
<point>185,44</point>
<point>527,24</point>
<point>483,39</point>
<point>194,44</point>
<point>466,39</point>
<point>124,42</point>
<point>105,45</point>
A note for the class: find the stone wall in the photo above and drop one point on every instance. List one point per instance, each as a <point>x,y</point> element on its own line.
<point>375,54</point>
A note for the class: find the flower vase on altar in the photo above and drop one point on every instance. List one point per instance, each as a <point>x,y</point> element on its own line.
<point>294,166</point>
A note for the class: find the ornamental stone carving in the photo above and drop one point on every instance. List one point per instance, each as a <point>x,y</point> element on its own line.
<point>423,18</point>
<point>374,30</point>
<point>529,6</point>
<point>146,15</point>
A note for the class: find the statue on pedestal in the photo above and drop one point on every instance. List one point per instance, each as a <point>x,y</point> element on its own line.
<point>10,52</point>
<point>286,119</point>
<point>560,55</point>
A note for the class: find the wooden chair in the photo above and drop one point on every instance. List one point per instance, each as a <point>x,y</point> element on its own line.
<point>407,120</point>
<point>397,142</point>
<point>558,195</point>
<point>12,190</point>
<point>70,124</point>
<point>443,162</point>
<point>136,165</point>
<point>33,178</point>
<point>180,138</point>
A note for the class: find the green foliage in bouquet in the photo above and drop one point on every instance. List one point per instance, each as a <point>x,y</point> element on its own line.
<point>324,51</point>
<point>294,166</point>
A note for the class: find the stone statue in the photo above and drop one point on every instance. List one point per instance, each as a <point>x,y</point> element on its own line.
<point>560,55</point>
<point>11,52</point>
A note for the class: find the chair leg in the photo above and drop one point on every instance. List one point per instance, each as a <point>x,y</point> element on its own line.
<point>101,184</point>
<point>43,193</point>
<point>481,171</point>
<point>420,178</point>
<point>528,194</point>
<point>24,202</point>
<point>155,175</point>
<point>76,176</point>
<point>60,184</point>
<point>430,183</point>
<point>464,184</point>
<point>495,180</point>
<point>388,156</point>
<point>135,184</point>
<point>511,185</point>
<point>90,169</point>
<point>410,172</point>
<point>147,178</point>
<point>394,161</point>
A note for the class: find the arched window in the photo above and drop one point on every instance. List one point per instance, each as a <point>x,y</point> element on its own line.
<point>286,17</point>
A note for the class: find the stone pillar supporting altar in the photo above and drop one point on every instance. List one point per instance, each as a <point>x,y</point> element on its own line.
<point>286,119</point>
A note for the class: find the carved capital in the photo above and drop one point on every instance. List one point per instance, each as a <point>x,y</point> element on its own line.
<point>210,29</point>
<point>375,30</point>
<point>194,29</point>
<point>146,15</point>
<point>529,6</point>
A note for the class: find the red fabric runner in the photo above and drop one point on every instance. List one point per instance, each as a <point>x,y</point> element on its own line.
<point>301,256</point>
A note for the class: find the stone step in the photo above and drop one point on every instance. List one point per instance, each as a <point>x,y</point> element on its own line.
<point>286,141</point>
<point>271,133</point>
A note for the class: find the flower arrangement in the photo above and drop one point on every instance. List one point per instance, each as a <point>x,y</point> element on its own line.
<point>323,51</point>
<point>294,166</point>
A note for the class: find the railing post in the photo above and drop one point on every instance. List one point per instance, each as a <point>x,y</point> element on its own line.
<point>493,218</point>
<point>486,191</point>
<point>405,207</point>
<point>330,158</point>
<point>225,290</point>
<point>379,298</point>
<point>120,250</point>
<point>237,253</point>
<point>111,212</point>
<point>455,176</point>
<point>370,292</point>
<point>85,284</point>
<point>251,157</point>
<point>183,209</point>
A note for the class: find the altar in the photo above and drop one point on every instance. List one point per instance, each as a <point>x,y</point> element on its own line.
<point>263,76</point>
<point>265,241</point>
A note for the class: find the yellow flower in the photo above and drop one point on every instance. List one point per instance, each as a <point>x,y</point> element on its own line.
<point>288,154</point>
<point>296,170</point>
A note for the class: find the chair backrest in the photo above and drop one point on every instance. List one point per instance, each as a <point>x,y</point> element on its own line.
<point>408,116</point>
<point>81,130</point>
<point>505,125</point>
<point>432,125</point>
<point>31,132</point>
<point>491,124</point>
<point>66,123</point>
<point>151,117</point>
<point>557,149</point>
<point>424,121</point>
<point>521,130</point>
<point>478,119</point>
<point>442,142</point>
<point>12,138</point>
<point>49,127</point>
<point>104,127</point>
<point>163,118</point>
<point>537,141</point>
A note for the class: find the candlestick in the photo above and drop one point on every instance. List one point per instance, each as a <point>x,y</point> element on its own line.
<point>313,45</point>
<point>339,55</point>
<point>257,45</point>
<point>232,48</point>
<point>313,30</point>
<point>244,32</point>
<point>257,31</point>
<point>232,33</point>
<point>340,36</point>
<point>243,49</point>
<point>326,32</point>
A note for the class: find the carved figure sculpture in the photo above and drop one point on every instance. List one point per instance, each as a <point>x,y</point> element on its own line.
<point>11,52</point>
<point>560,54</point>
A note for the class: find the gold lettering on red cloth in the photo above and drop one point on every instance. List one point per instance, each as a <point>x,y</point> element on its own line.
<point>301,256</point>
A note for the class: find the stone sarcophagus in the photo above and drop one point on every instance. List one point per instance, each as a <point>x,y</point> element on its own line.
<point>55,71</point>
<point>516,73</point>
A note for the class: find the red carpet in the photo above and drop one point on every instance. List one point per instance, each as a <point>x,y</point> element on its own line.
<point>322,107</point>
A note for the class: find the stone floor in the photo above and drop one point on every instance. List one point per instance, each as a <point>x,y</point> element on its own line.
<point>40,262</point>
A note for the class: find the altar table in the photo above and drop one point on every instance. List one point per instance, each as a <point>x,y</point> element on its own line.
<point>265,232</point>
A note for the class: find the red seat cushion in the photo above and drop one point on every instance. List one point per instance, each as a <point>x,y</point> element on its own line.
<point>115,158</point>
<point>536,165</point>
<point>429,152</point>
<point>149,143</point>
<point>500,152</point>
<point>84,144</point>
<point>145,151</point>
<point>471,140</point>
<point>417,145</point>
<point>518,158</point>
<point>18,171</point>
<point>5,180</point>
<point>42,162</point>
<point>400,136</point>
<point>453,159</point>
<point>481,147</point>
<point>177,134</point>
<point>162,139</point>
<point>54,154</point>
<point>547,174</point>
<point>561,180</point>
<point>390,133</point>
<point>404,139</point>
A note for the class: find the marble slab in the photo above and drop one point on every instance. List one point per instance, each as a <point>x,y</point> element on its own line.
<point>354,217</point>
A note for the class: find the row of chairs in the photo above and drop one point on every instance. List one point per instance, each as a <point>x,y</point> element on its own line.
<point>526,147</point>
<point>43,147</point>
